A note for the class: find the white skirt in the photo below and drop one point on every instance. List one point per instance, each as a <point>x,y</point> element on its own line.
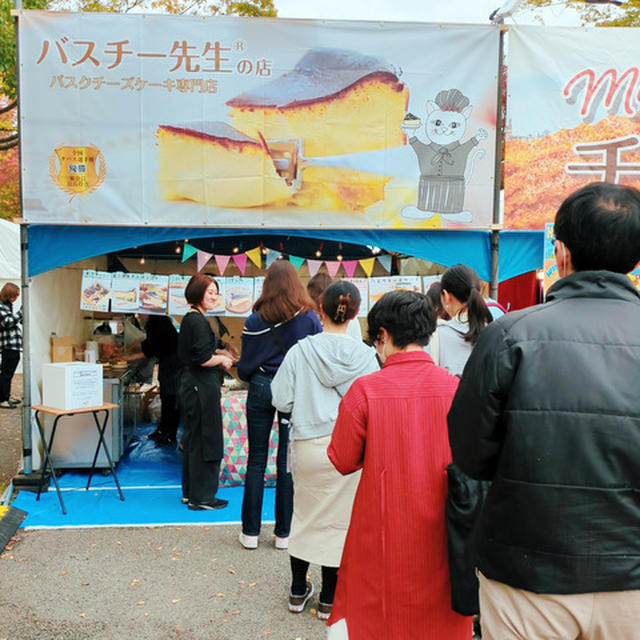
<point>322,503</point>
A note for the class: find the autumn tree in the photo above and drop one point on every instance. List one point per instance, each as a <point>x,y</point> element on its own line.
<point>602,13</point>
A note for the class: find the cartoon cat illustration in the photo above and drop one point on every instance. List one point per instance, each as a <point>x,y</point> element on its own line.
<point>443,160</point>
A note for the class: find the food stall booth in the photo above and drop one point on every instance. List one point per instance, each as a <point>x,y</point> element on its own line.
<point>194,140</point>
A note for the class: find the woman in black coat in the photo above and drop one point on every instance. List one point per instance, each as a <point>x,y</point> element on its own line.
<point>203,367</point>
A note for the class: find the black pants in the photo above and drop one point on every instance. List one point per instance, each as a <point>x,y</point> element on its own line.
<point>299,570</point>
<point>169,414</point>
<point>199,476</point>
<point>10,359</point>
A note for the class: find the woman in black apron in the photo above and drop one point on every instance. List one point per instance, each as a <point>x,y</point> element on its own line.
<point>203,367</point>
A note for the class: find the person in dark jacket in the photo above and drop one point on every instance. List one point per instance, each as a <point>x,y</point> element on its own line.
<point>162,343</point>
<point>548,409</point>
<point>282,315</point>
<point>203,366</point>
<point>10,343</point>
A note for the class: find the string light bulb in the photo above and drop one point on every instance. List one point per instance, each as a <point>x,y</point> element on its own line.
<point>318,253</point>
<point>235,249</point>
<point>339,257</point>
<point>142,260</point>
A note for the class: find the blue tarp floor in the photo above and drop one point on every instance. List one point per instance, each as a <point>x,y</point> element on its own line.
<point>150,480</point>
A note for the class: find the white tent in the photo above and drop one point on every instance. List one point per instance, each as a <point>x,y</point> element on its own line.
<point>9,252</point>
<point>10,257</point>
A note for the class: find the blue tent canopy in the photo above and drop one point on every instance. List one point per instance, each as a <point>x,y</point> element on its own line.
<point>52,246</point>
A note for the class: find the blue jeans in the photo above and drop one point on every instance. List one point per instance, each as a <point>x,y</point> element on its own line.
<point>260,414</point>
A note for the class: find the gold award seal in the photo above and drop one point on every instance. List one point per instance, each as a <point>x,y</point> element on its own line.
<point>78,170</point>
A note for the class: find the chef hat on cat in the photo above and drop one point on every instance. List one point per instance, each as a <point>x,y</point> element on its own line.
<point>452,100</point>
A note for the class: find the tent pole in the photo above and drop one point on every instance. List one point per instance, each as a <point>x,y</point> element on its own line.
<point>497,185</point>
<point>27,463</point>
<point>26,351</point>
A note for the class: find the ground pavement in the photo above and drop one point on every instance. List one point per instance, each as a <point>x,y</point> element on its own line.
<point>144,583</point>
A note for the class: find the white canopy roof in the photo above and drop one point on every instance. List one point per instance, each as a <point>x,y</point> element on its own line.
<point>9,251</point>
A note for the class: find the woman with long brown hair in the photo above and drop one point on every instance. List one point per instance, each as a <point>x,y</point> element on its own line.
<point>282,315</point>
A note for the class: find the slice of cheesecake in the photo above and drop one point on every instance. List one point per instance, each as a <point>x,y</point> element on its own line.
<point>336,101</point>
<point>214,164</point>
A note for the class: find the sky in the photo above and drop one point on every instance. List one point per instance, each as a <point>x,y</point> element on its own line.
<point>475,11</point>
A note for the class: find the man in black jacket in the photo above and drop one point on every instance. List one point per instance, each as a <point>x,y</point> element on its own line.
<point>548,409</point>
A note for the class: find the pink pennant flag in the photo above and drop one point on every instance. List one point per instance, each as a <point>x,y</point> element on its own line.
<point>203,257</point>
<point>222,262</point>
<point>313,266</point>
<point>332,267</point>
<point>241,260</point>
<point>349,267</point>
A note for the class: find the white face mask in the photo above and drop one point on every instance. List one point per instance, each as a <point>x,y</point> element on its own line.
<point>380,350</point>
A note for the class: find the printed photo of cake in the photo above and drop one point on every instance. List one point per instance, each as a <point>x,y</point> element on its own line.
<point>238,300</point>
<point>335,100</point>
<point>152,297</point>
<point>125,299</point>
<point>214,164</point>
<point>95,294</point>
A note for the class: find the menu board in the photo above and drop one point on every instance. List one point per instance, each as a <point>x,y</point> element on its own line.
<point>379,286</point>
<point>238,296</point>
<point>362,285</point>
<point>258,283</point>
<point>96,290</point>
<point>427,281</point>
<point>178,306</point>
<point>153,293</point>
<point>124,292</point>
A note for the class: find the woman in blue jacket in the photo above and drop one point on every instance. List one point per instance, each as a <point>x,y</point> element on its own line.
<point>282,315</point>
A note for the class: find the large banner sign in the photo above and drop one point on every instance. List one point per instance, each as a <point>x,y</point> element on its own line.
<point>176,120</point>
<point>573,112</point>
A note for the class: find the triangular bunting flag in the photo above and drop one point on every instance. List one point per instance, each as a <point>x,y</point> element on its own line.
<point>332,267</point>
<point>385,261</point>
<point>187,251</point>
<point>203,257</point>
<point>255,255</point>
<point>349,267</point>
<point>272,256</point>
<point>367,265</point>
<point>313,266</point>
<point>241,260</point>
<point>296,261</point>
<point>222,262</point>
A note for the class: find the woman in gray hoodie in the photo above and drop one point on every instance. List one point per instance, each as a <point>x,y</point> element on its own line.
<point>313,377</point>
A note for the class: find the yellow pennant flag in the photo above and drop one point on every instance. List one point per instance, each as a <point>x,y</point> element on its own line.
<point>367,265</point>
<point>255,255</point>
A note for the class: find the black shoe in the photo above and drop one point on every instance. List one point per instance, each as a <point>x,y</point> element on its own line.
<point>5,404</point>
<point>155,435</point>
<point>216,504</point>
<point>164,438</point>
<point>185,500</point>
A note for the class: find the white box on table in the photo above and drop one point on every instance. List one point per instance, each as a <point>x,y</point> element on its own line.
<point>71,385</point>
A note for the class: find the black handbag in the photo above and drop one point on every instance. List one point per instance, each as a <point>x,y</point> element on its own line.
<point>462,508</point>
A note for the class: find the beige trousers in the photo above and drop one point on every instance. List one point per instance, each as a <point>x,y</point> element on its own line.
<point>507,613</point>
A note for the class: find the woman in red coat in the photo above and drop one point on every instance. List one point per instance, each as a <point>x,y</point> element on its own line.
<point>393,581</point>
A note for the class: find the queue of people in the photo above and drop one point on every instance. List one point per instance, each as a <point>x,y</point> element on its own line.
<point>541,403</point>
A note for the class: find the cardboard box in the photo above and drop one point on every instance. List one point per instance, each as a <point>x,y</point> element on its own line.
<point>62,349</point>
<point>72,385</point>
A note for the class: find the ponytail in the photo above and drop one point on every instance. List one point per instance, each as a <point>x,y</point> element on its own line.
<point>463,284</point>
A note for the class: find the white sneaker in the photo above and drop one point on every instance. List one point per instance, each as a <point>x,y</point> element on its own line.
<point>248,542</point>
<point>281,543</point>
